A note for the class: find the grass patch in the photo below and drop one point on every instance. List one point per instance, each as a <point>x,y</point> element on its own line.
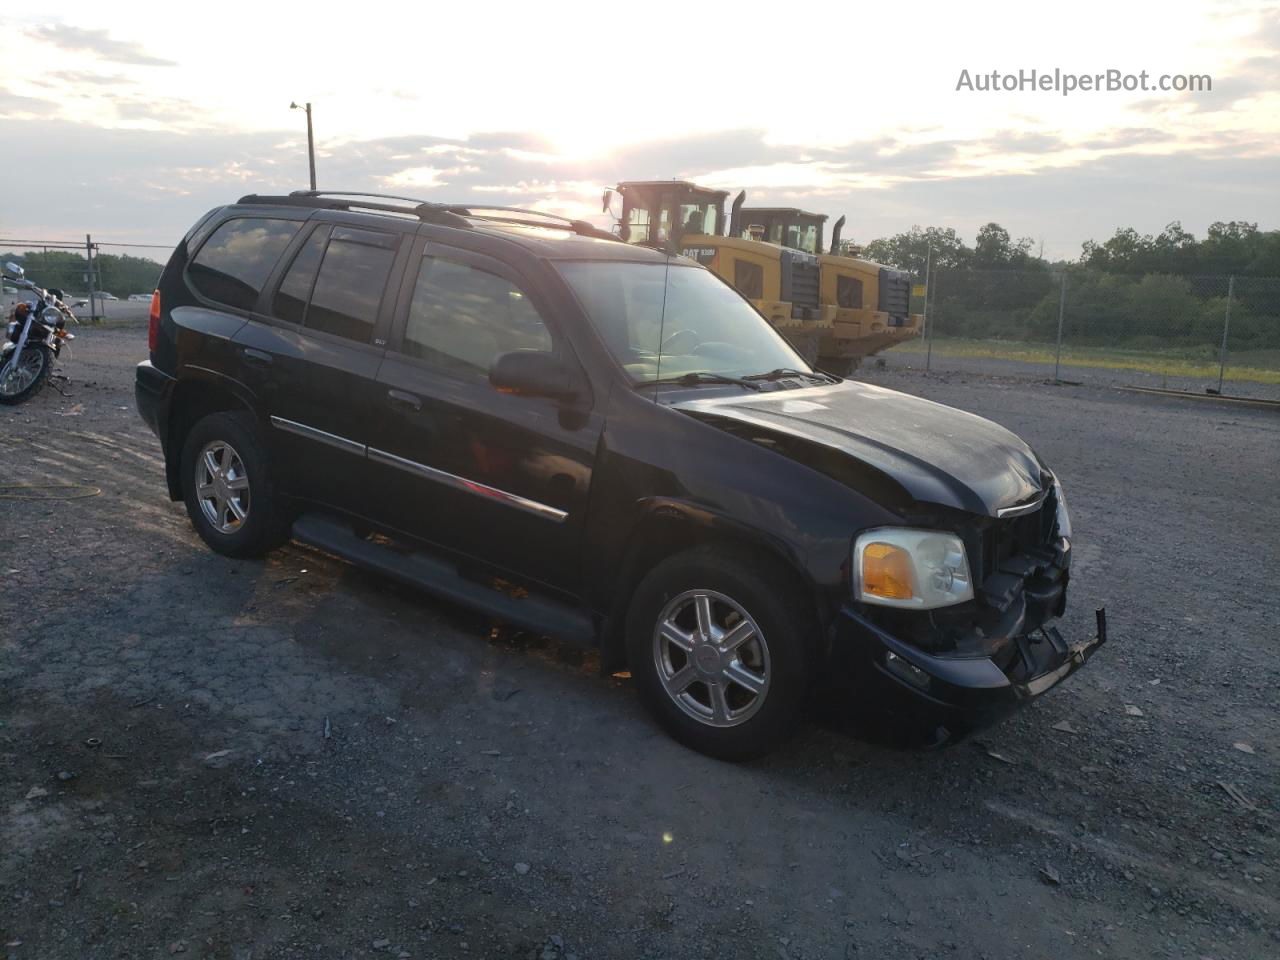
<point>1260,366</point>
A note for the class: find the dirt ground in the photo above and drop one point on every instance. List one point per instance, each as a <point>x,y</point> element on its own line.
<point>202,757</point>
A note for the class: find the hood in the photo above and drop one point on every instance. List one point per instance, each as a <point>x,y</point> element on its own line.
<point>900,443</point>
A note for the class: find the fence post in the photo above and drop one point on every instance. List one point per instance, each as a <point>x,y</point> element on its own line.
<point>88,262</point>
<point>1226,325</point>
<point>1062,303</point>
<point>928,326</point>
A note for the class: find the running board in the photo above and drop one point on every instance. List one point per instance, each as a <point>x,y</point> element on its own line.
<point>440,578</point>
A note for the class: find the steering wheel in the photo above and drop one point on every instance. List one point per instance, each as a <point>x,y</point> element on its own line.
<point>687,334</point>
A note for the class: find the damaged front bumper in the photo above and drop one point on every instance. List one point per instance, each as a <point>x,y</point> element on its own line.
<point>941,698</point>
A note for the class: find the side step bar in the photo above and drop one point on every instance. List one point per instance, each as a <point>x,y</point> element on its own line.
<point>440,578</point>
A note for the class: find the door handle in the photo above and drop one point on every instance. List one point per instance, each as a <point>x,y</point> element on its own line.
<point>256,357</point>
<point>399,398</point>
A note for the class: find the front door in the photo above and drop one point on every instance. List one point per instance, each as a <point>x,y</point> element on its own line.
<point>492,476</point>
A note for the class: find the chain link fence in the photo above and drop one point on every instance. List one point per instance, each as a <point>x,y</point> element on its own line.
<point>1075,325</point>
<point>1080,325</point>
<point>112,282</point>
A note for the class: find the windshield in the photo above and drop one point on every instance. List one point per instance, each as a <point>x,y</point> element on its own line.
<point>795,235</point>
<point>643,227</point>
<point>699,218</point>
<point>708,327</point>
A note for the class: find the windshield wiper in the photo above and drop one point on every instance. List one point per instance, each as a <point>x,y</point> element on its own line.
<point>781,373</point>
<point>700,376</point>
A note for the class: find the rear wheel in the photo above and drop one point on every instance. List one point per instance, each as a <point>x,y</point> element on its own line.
<point>27,377</point>
<point>228,487</point>
<point>719,650</point>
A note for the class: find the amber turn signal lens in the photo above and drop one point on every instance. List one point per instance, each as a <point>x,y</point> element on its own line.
<point>886,571</point>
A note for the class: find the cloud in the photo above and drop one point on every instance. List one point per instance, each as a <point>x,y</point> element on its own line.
<point>99,43</point>
<point>150,185</point>
<point>1017,141</point>
<point>1127,137</point>
<point>87,77</point>
<point>12,104</point>
<point>1268,33</point>
<point>162,110</point>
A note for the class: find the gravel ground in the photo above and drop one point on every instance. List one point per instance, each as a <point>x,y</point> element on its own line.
<point>292,758</point>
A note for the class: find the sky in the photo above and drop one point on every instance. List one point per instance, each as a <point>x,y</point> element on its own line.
<point>130,120</point>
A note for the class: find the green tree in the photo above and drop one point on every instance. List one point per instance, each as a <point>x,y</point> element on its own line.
<point>117,274</point>
<point>910,250</point>
<point>995,249</point>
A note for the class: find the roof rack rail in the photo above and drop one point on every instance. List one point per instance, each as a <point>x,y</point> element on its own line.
<point>333,200</point>
<point>448,214</point>
<point>353,193</point>
<point>470,208</point>
<point>485,212</point>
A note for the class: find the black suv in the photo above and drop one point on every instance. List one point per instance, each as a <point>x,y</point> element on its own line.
<point>601,441</point>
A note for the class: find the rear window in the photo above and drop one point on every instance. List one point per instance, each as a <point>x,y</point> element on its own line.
<point>348,290</point>
<point>295,289</point>
<point>236,260</point>
<point>849,292</point>
<point>749,279</point>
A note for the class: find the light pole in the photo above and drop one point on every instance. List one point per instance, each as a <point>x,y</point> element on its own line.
<point>311,141</point>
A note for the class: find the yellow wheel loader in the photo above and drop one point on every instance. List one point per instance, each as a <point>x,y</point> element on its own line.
<point>864,306</point>
<point>785,275</point>
<point>689,220</point>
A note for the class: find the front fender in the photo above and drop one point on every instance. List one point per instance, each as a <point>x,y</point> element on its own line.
<point>662,526</point>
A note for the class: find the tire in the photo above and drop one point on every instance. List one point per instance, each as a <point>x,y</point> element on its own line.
<point>42,376</point>
<point>839,366</point>
<point>242,516</point>
<point>744,601</point>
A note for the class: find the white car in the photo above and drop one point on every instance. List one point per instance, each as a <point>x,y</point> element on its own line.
<point>139,298</point>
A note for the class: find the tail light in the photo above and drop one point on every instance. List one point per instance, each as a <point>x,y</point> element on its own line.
<point>153,322</point>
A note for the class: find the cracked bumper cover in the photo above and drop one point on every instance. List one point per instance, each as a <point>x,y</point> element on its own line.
<point>949,697</point>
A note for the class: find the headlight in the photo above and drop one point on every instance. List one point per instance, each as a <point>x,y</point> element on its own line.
<point>917,569</point>
<point>1064,518</point>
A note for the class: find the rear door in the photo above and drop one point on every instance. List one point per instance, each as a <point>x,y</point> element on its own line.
<point>315,351</point>
<point>497,477</point>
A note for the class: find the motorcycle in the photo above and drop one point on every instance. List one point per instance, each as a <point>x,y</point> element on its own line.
<point>34,338</point>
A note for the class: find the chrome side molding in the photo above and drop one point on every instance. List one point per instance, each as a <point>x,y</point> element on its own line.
<point>420,469</point>
<point>469,486</point>
<point>321,436</point>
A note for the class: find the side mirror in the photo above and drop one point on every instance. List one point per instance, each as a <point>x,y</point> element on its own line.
<point>16,270</point>
<point>606,202</point>
<point>534,373</point>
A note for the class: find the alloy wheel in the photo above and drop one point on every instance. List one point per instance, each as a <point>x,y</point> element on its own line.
<point>712,658</point>
<point>222,486</point>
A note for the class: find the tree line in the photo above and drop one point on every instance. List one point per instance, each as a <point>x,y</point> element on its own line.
<point>118,274</point>
<point>1234,248</point>
<point>1167,289</point>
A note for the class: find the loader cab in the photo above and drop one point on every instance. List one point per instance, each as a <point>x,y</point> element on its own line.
<point>688,219</point>
<point>656,212</point>
<point>786,227</point>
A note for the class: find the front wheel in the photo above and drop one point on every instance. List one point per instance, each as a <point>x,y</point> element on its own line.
<point>24,379</point>
<point>720,652</point>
